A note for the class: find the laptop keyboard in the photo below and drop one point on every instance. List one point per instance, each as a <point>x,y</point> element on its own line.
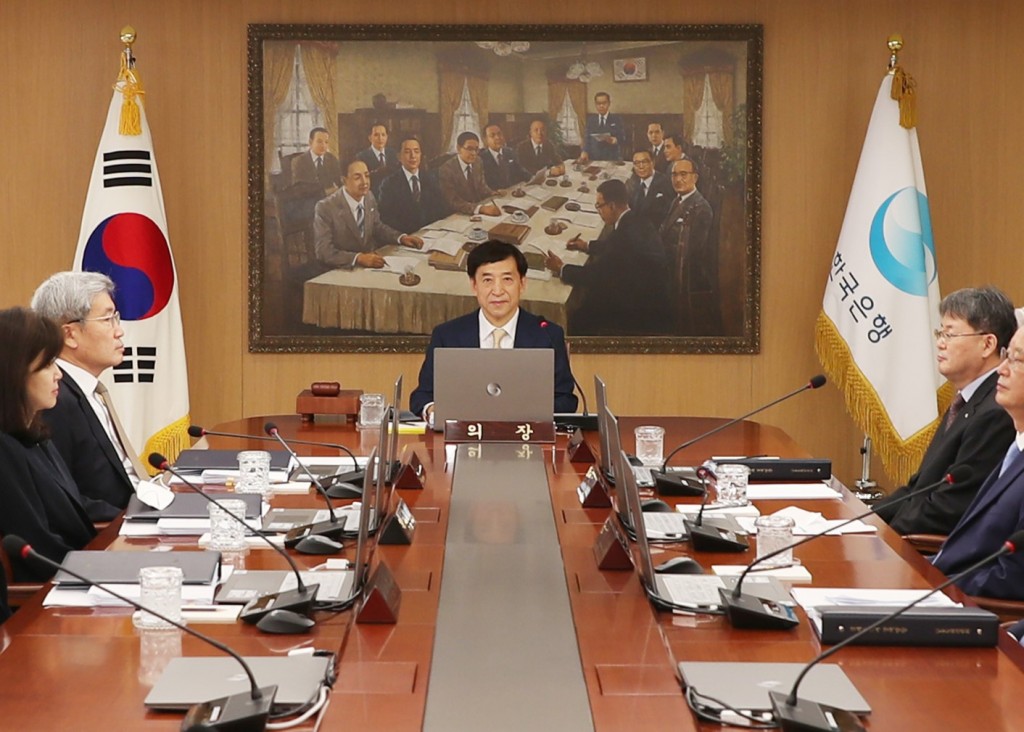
<point>644,477</point>
<point>692,590</point>
<point>662,524</point>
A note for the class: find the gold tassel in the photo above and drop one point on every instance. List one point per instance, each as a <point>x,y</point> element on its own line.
<point>130,86</point>
<point>900,458</point>
<point>904,91</point>
<point>170,441</point>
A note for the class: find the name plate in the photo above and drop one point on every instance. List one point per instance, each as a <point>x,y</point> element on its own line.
<point>457,430</point>
<point>591,491</point>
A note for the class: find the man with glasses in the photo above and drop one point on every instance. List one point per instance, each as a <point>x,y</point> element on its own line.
<point>81,425</point>
<point>650,192</point>
<point>975,430</point>
<point>462,180</point>
<point>997,510</point>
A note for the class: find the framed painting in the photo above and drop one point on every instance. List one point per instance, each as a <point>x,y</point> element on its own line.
<point>379,156</point>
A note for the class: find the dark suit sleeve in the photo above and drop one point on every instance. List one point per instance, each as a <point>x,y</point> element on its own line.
<point>565,385</point>
<point>423,394</point>
<point>1002,578</point>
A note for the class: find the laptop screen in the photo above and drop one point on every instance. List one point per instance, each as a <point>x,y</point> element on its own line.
<point>494,385</point>
<point>607,460</point>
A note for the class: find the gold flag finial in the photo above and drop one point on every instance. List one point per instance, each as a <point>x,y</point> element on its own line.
<point>130,86</point>
<point>904,89</point>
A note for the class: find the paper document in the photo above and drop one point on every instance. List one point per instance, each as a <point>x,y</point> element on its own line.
<point>807,523</point>
<point>95,597</point>
<point>791,491</point>
<point>792,573</point>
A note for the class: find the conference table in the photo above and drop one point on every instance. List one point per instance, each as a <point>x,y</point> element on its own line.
<point>80,668</point>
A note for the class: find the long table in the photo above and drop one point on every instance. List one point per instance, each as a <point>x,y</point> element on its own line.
<point>90,669</point>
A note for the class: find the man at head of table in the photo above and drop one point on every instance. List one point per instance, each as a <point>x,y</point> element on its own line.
<point>497,275</point>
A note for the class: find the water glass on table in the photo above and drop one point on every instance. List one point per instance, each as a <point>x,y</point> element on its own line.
<point>159,589</point>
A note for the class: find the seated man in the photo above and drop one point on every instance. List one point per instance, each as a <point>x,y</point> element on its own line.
<point>501,169</point>
<point>462,180</point>
<point>537,153</point>
<point>497,274</point>
<point>976,325</point>
<point>348,228</point>
<point>997,511</point>
<point>411,199</point>
<point>81,427</point>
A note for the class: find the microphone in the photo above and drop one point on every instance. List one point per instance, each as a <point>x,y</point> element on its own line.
<point>354,476</point>
<point>675,485</point>
<point>244,711</point>
<point>802,715</point>
<point>584,421</point>
<point>712,538</point>
<point>289,607</point>
<point>332,528</point>
<point>745,611</point>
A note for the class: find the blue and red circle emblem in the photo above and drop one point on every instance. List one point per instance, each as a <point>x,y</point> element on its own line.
<point>131,250</point>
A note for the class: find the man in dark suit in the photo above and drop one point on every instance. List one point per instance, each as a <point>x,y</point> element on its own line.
<point>604,132</point>
<point>81,428</point>
<point>462,180</point>
<point>316,173</point>
<point>538,153</point>
<point>501,169</point>
<point>497,274</point>
<point>656,136</point>
<point>686,235</point>
<point>997,511</point>
<point>975,431</point>
<point>673,148</point>
<point>380,159</point>
<point>347,225</point>
<point>650,192</point>
<point>623,288</point>
<point>411,199</point>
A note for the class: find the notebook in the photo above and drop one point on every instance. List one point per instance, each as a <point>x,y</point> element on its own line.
<point>113,568</point>
<point>746,685</point>
<point>189,506</point>
<point>494,385</point>
<point>196,461</point>
<point>244,585</point>
<point>193,680</point>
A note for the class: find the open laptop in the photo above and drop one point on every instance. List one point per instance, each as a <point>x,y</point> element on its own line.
<point>196,679</point>
<point>745,686</point>
<point>693,592</point>
<point>493,385</point>
<point>609,434</point>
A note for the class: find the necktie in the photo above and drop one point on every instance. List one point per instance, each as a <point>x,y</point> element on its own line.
<point>467,172</point>
<point>382,163</point>
<point>954,410</point>
<point>360,220</point>
<point>104,395</point>
<point>319,169</point>
<point>643,188</point>
<point>603,118</point>
<point>500,159</point>
<point>416,188</point>
<point>537,150</point>
<point>1011,455</point>
<point>498,336</point>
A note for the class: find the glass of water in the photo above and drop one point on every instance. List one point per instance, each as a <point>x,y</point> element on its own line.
<point>254,472</point>
<point>226,533</point>
<point>159,589</point>
<point>650,445</point>
<point>773,534</point>
<point>371,410</point>
<point>732,484</point>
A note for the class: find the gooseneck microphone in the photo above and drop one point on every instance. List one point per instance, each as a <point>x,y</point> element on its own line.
<point>584,421</point>
<point>669,483</point>
<point>245,711</point>
<point>745,611</point>
<point>355,475</point>
<point>802,715</point>
<point>290,607</point>
<point>712,538</point>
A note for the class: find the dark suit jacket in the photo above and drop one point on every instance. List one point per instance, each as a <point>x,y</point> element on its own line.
<point>978,438</point>
<point>994,514</point>
<point>507,174</point>
<point>623,287</point>
<point>305,182</point>
<point>462,195</point>
<point>378,174</point>
<point>533,162</point>
<point>86,449</point>
<point>604,150</point>
<point>654,206</point>
<point>337,236</point>
<point>400,211</point>
<point>531,332</point>
<point>658,156</point>
<point>692,258</point>
<point>39,502</point>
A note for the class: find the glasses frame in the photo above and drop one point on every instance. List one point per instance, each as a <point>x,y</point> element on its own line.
<point>113,320</point>
<point>942,336</point>
<point>1015,363</point>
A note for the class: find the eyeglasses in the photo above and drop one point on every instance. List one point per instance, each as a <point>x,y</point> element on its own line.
<point>1014,362</point>
<point>113,320</point>
<point>642,161</point>
<point>942,336</point>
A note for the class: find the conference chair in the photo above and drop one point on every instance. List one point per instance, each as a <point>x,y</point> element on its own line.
<point>13,594</point>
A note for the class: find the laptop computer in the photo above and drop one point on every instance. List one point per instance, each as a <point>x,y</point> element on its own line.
<point>493,385</point>
<point>188,505</point>
<point>196,679</point>
<point>610,441</point>
<point>745,686</point>
<point>246,584</point>
<point>122,568</point>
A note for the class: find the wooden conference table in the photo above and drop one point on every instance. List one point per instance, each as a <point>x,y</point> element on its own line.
<point>89,669</point>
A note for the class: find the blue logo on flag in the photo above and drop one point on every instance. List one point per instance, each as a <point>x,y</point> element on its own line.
<point>901,241</point>
<point>131,250</point>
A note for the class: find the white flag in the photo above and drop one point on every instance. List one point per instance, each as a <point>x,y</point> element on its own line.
<point>874,334</point>
<point>124,236</point>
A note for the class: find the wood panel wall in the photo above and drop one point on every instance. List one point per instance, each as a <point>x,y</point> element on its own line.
<point>823,62</point>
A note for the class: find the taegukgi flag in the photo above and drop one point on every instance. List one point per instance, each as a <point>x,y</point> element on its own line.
<point>124,235</point>
<point>874,332</point>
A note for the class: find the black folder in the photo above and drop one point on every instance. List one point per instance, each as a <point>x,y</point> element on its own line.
<point>122,568</point>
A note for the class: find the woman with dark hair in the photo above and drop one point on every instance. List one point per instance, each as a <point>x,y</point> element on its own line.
<point>39,500</point>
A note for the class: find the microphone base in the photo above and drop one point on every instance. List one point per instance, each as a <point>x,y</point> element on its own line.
<point>235,713</point>
<point>353,476</point>
<point>585,422</point>
<point>809,716</point>
<point>707,538</point>
<point>331,529</point>
<point>754,613</point>
<point>672,484</point>
<point>298,601</point>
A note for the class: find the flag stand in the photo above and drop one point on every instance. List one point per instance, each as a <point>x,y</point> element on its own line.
<point>867,489</point>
